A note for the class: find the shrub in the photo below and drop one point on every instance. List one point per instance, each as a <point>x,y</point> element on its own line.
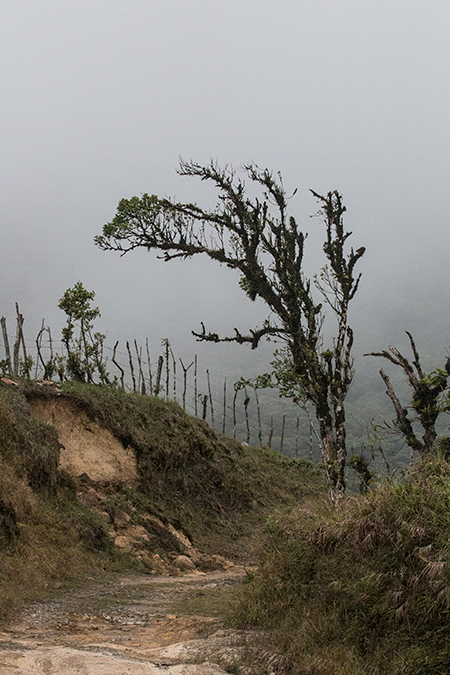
<point>369,582</point>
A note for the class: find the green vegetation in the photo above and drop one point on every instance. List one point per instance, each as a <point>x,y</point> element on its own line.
<point>257,237</point>
<point>84,347</point>
<point>46,535</point>
<point>213,486</point>
<point>363,588</point>
<point>360,586</point>
<point>429,399</point>
<point>213,489</point>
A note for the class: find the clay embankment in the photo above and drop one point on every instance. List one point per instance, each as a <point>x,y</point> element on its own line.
<point>87,446</point>
<point>117,625</point>
<point>101,465</point>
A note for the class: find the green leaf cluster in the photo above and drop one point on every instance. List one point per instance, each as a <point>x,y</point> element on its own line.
<point>84,346</point>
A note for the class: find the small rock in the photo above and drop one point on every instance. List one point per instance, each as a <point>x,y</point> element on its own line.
<point>122,542</point>
<point>183,563</point>
<point>120,518</point>
<point>158,564</point>
<point>137,533</point>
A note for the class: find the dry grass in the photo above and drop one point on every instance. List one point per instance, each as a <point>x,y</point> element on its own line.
<point>212,488</point>
<point>217,490</point>
<point>369,582</point>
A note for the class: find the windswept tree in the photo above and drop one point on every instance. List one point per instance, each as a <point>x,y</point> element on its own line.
<point>257,237</point>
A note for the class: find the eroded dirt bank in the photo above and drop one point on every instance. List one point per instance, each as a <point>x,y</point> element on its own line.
<point>133,625</point>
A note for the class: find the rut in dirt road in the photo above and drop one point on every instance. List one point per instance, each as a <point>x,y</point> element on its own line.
<point>134,625</point>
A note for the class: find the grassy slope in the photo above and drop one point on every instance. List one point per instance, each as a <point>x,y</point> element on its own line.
<point>212,488</point>
<point>365,589</point>
<point>45,534</point>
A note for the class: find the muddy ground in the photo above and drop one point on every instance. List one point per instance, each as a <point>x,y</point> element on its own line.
<point>136,624</point>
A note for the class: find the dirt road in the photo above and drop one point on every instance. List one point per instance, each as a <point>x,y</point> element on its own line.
<point>131,625</point>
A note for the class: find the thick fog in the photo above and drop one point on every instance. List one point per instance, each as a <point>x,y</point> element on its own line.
<point>100,98</point>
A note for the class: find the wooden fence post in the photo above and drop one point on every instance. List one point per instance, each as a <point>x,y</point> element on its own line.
<point>20,320</point>
<point>38,348</point>
<point>246,402</point>
<point>282,432</point>
<point>234,412</point>
<point>195,386</point>
<point>131,366</point>
<point>174,368</point>
<point>224,406</point>
<point>258,411</point>
<point>17,341</point>
<point>149,368</point>
<point>6,342</point>
<point>122,372</point>
<point>158,375</point>
<point>269,443</point>
<point>185,370</point>
<point>205,406</point>
<point>210,398</point>
<point>141,386</point>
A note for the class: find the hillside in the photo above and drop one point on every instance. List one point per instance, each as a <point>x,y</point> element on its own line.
<point>93,478</point>
<point>362,589</point>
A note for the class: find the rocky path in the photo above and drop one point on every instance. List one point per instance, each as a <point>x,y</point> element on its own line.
<point>132,625</point>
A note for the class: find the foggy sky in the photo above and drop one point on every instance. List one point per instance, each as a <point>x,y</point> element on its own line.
<point>100,98</point>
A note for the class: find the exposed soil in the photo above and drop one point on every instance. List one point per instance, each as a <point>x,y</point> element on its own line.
<point>121,625</point>
<point>87,446</point>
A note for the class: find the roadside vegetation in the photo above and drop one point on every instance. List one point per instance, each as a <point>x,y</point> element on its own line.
<point>213,489</point>
<point>352,585</point>
<point>46,535</point>
<point>361,588</point>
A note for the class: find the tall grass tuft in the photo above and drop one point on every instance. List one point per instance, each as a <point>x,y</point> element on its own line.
<point>364,588</point>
